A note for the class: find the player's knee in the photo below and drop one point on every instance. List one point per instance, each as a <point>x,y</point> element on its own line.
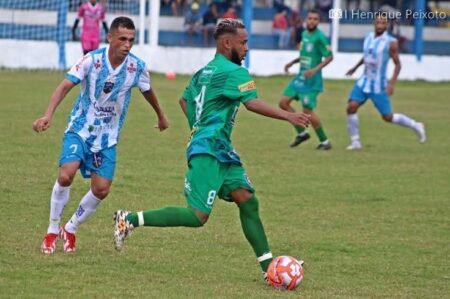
<point>100,191</point>
<point>241,195</point>
<point>253,204</point>
<point>202,217</point>
<point>352,109</point>
<point>387,118</point>
<point>64,179</point>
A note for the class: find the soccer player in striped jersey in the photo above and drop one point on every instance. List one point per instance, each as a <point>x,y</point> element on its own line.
<point>211,102</point>
<point>106,76</point>
<point>379,47</point>
<point>92,14</point>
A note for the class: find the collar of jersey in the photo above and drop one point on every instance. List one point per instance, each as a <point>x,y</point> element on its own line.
<point>108,64</point>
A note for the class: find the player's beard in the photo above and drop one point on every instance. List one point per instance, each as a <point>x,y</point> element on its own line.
<point>235,57</point>
<point>311,28</point>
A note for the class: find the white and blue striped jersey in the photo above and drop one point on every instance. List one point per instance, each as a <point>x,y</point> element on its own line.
<point>376,58</point>
<point>100,109</point>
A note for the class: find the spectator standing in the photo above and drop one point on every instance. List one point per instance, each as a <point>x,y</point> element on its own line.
<point>281,28</point>
<point>324,7</point>
<point>230,13</point>
<point>209,23</point>
<point>193,21</point>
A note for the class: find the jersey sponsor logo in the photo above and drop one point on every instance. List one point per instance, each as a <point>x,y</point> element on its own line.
<point>206,75</point>
<point>309,47</point>
<point>250,85</point>
<point>80,63</point>
<point>106,111</point>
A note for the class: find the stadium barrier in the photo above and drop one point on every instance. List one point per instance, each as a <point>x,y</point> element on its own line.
<point>41,55</point>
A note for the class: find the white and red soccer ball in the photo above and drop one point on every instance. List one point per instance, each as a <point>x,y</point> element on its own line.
<point>285,272</point>
<point>171,75</point>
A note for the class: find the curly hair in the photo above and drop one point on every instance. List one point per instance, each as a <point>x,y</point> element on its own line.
<point>227,26</point>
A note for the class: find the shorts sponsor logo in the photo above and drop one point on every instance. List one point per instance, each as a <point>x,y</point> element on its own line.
<point>250,85</point>
<point>187,186</point>
<point>248,180</point>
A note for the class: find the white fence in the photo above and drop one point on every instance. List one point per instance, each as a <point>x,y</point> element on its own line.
<point>184,60</point>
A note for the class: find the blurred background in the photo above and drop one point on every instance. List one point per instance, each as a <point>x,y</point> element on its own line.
<point>176,35</point>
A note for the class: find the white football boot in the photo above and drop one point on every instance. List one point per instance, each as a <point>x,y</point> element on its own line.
<point>420,130</point>
<point>122,228</point>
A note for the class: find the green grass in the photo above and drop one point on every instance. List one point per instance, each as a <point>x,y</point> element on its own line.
<point>369,224</point>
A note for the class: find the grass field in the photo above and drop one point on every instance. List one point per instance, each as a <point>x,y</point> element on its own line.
<point>369,224</point>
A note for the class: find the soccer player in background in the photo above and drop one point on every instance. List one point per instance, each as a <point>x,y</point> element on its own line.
<point>315,54</point>
<point>210,103</point>
<point>92,14</point>
<point>379,47</point>
<point>89,144</point>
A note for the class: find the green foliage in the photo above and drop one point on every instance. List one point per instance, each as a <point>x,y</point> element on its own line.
<point>369,224</point>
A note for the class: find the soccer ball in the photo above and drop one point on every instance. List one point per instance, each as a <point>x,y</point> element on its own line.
<point>285,272</point>
<point>171,75</point>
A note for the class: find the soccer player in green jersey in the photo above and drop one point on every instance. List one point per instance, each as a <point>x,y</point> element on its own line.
<point>210,103</point>
<point>315,54</point>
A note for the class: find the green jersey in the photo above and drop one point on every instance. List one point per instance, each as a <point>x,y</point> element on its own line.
<point>314,46</point>
<point>213,97</point>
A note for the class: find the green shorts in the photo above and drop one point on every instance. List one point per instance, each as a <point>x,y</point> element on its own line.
<point>308,99</point>
<point>207,178</point>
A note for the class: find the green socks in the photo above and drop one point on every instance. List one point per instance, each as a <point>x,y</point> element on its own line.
<point>178,216</point>
<point>168,216</point>
<point>321,134</point>
<point>299,129</point>
<point>254,231</point>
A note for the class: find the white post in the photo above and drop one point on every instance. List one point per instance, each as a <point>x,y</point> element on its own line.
<point>335,26</point>
<point>141,21</point>
<point>154,24</point>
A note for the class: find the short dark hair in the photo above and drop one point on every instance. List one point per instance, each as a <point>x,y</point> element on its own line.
<point>227,26</point>
<point>315,11</point>
<point>122,22</point>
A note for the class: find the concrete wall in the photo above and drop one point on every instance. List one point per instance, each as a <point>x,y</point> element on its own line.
<point>44,55</point>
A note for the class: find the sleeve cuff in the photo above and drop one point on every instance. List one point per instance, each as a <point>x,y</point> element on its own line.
<point>73,79</point>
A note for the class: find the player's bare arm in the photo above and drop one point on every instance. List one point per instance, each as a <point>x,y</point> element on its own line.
<point>183,106</point>
<point>43,123</point>
<point>353,69</point>
<point>163,122</point>
<point>260,107</point>
<point>393,51</point>
<point>288,65</point>
<point>318,67</point>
